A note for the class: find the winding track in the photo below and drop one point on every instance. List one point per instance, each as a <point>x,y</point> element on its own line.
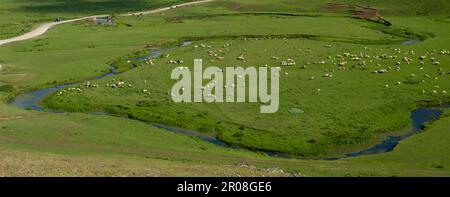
<point>46,26</point>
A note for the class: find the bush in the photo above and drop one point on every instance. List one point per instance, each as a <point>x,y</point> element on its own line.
<point>6,88</point>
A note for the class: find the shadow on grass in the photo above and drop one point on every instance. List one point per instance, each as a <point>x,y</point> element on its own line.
<point>92,6</point>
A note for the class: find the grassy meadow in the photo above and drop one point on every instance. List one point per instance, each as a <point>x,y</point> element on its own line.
<point>354,81</point>
<point>19,16</point>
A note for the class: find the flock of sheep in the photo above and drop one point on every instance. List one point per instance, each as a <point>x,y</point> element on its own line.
<point>384,63</point>
<point>363,59</point>
<point>113,84</point>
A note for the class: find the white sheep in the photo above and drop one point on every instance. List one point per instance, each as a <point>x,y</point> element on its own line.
<point>342,63</point>
<point>382,71</point>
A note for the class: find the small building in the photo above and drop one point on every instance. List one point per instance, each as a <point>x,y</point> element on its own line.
<point>106,20</point>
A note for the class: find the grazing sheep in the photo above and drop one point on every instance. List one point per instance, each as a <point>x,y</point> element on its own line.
<point>288,62</point>
<point>0,67</point>
<point>406,59</point>
<point>385,56</point>
<point>227,45</point>
<point>356,59</point>
<point>74,90</point>
<point>382,71</point>
<point>241,57</point>
<point>321,62</point>
<point>151,62</point>
<point>175,62</point>
<point>445,52</point>
<point>398,83</point>
<point>342,63</point>
<point>328,75</point>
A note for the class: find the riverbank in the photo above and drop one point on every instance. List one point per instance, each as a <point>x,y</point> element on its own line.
<point>419,117</point>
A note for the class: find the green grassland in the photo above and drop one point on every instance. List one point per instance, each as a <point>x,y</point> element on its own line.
<point>355,90</point>
<point>351,110</point>
<point>109,146</point>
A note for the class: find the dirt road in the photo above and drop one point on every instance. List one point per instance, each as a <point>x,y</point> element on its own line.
<point>45,27</point>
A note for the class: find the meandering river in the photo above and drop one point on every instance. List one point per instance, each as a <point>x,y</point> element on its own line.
<point>419,117</point>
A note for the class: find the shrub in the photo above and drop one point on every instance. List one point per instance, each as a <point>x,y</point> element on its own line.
<point>6,88</point>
